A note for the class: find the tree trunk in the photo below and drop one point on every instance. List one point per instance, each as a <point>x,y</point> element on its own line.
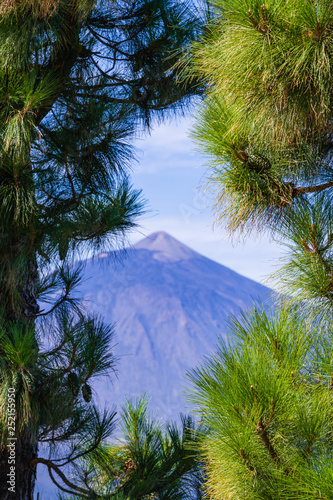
<point>18,287</point>
<point>18,297</point>
<point>17,477</point>
<point>29,305</point>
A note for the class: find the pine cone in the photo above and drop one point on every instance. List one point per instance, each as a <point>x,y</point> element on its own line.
<point>73,383</point>
<point>129,466</point>
<point>86,393</point>
<point>258,162</point>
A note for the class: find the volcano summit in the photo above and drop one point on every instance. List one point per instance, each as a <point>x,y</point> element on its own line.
<point>168,304</point>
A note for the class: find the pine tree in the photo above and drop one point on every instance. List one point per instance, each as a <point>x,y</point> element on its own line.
<point>147,462</point>
<point>266,124</point>
<point>78,78</point>
<point>266,127</point>
<point>267,401</point>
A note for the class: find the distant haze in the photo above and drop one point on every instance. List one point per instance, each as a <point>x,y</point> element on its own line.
<point>168,304</point>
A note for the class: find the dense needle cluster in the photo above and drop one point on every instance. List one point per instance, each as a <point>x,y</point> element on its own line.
<point>78,80</point>
<point>148,462</point>
<point>266,127</point>
<point>266,124</point>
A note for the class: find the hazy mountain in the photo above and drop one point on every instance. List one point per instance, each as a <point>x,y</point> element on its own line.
<point>168,304</point>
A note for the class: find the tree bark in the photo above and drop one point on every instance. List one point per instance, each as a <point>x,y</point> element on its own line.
<point>18,280</point>
<point>18,483</point>
<point>17,476</point>
<point>29,304</point>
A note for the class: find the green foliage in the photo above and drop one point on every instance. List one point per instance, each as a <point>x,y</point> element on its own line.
<point>268,405</point>
<point>267,70</point>
<point>79,351</point>
<point>265,126</point>
<point>272,62</point>
<point>147,462</point>
<point>78,80</point>
<point>307,272</point>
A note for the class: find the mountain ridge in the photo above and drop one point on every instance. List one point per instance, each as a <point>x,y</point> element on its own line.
<point>168,304</point>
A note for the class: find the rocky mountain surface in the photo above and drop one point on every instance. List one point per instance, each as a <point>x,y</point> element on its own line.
<point>168,304</point>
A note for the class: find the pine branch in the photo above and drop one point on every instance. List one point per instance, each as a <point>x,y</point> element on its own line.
<point>51,466</point>
<point>61,62</point>
<point>61,301</point>
<point>312,189</point>
<point>261,430</point>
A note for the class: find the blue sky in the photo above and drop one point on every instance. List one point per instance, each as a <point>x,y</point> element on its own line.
<point>170,172</point>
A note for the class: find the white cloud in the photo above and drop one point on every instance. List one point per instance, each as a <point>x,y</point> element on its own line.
<point>169,180</point>
<point>168,146</point>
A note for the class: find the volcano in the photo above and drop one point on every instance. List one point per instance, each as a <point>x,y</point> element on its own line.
<point>168,305</point>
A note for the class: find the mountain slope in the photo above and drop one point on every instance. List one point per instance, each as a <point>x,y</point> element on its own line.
<point>168,304</point>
